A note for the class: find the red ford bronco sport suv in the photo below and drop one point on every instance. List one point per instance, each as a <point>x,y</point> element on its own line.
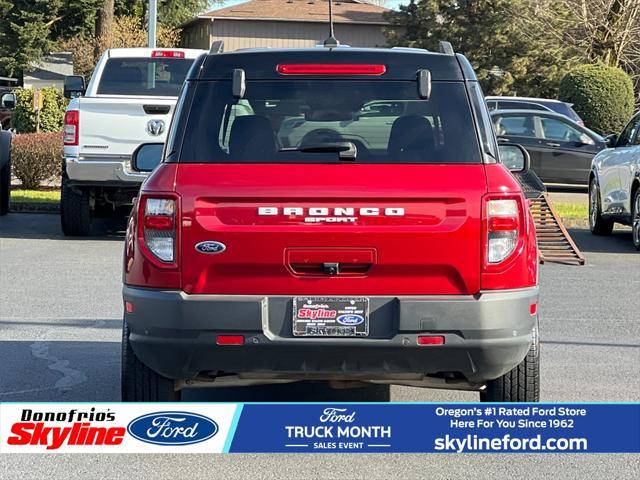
<point>333,214</point>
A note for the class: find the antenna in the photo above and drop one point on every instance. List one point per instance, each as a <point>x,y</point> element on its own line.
<point>331,41</point>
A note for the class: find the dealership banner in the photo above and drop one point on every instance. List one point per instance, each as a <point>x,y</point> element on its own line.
<point>319,428</point>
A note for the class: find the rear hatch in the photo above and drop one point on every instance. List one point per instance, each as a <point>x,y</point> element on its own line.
<point>417,229</point>
<point>330,187</point>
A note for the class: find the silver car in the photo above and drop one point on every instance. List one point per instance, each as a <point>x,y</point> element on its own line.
<point>614,184</point>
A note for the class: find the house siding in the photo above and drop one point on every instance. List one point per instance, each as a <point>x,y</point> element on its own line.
<point>238,34</point>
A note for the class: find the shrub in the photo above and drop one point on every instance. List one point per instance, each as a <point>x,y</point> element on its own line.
<point>601,95</point>
<point>51,115</point>
<point>36,158</point>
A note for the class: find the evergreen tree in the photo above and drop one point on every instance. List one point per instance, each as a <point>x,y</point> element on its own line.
<point>507,55</point>
<point>25,32</point>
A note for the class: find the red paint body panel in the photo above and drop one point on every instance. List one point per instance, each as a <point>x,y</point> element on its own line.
<point>438,247</point>
<point>520,270</point>
<point>433,249</point>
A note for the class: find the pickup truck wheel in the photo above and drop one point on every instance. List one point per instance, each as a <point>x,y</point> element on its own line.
<point>75,211</point>
<point>138,382</point>
<point>522,384</point>
<point>597,224</point>
<point>5,172</point>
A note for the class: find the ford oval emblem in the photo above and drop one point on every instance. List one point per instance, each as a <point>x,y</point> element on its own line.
<point>172,428</point>
<point>211,246</point>
<point>350,319</point>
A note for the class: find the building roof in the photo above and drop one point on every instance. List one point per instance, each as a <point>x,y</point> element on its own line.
<point>344,11</point>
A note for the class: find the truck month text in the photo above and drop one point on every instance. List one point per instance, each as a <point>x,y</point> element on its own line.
<point>337,431</point>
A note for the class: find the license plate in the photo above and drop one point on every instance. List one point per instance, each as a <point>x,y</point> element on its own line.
<point>330,317</point>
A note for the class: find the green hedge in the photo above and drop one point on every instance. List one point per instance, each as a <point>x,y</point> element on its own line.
<point>51,115</point>
<point>601,95</point>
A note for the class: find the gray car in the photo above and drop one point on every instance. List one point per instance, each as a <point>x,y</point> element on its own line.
<point>561,150</point>
<point>614,184</point>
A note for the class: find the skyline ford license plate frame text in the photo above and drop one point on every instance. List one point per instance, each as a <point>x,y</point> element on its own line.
<point>330,317</point>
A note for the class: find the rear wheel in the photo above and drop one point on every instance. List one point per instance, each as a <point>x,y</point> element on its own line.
<point>75,210</point>
<point>597,224</point>
<point>635,216</point>
<point>138,382</point>
<point>522,384</point>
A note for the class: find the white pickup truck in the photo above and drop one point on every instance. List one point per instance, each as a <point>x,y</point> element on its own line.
<point>129,101</point>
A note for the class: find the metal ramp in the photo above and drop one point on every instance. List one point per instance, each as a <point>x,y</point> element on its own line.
<point>554,242</point>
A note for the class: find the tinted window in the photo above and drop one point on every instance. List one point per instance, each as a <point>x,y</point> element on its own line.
<point>517,125</point>
<point>144,76</point>
<point>385,120</point>
<point>520,105</point>
<point>631,133</point>
<point>563,109</point>
<point>555,129</point>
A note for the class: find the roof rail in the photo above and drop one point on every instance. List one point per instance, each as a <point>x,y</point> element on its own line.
<point>216,47</point>
<point>445,47</point>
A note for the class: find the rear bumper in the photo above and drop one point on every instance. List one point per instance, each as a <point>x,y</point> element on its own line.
<point>485,336</point>
<point>102,171</point>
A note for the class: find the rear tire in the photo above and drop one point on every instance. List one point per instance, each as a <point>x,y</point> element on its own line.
<point>597,223</point>
<point>138,382</point>
<point>5,172</point>
<point>522,384</point>
<point>635,218</point>
<point>75,210</point>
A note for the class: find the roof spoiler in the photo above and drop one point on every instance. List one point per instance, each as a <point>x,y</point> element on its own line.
<point>445,47</point>
<point>216,47</point>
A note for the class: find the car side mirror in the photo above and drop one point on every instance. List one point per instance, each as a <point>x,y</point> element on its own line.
<point>611,140</point>
<point>515,157</point>
<point>147,157</point>
<point>74,86</point>
<point>8,101</point>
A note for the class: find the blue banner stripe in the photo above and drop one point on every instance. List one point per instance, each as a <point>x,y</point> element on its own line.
<point>438,428</point>
<point>232,429</point>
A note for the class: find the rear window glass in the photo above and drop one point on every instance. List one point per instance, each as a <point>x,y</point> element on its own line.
<point>144,76</point>
<point>563,109</point>
<point>281,121</point>
<point>521,105</point>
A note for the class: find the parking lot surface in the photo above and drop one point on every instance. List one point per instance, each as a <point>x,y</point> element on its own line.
<point>60,327</point>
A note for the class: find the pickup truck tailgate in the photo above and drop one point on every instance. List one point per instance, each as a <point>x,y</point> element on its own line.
<point>117,126</point>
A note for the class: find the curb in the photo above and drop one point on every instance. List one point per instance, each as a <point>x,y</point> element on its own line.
<point>34,207</point>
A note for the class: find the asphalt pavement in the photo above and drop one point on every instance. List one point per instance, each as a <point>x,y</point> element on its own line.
<point>60,326</point>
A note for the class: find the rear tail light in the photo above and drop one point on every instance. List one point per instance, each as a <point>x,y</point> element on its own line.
<point>167,54</point>
<point>331,69</point>
<point>502,229</point>
<point>159,227</point>
<point>71,127</point>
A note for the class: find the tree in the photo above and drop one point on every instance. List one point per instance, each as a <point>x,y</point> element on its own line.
<point>104,22</point>
<point>506,58</point>
<point>606,31</point>
<point>75,17</point>
<point>125,32</point>
<point>25,32</point>
<point>172,13</point>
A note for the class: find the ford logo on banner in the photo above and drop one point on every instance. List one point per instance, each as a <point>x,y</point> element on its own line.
<point>350,319</point>
<point>172,428</point>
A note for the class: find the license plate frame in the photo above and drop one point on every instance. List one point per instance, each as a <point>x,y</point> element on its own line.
<point>334,317</point>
